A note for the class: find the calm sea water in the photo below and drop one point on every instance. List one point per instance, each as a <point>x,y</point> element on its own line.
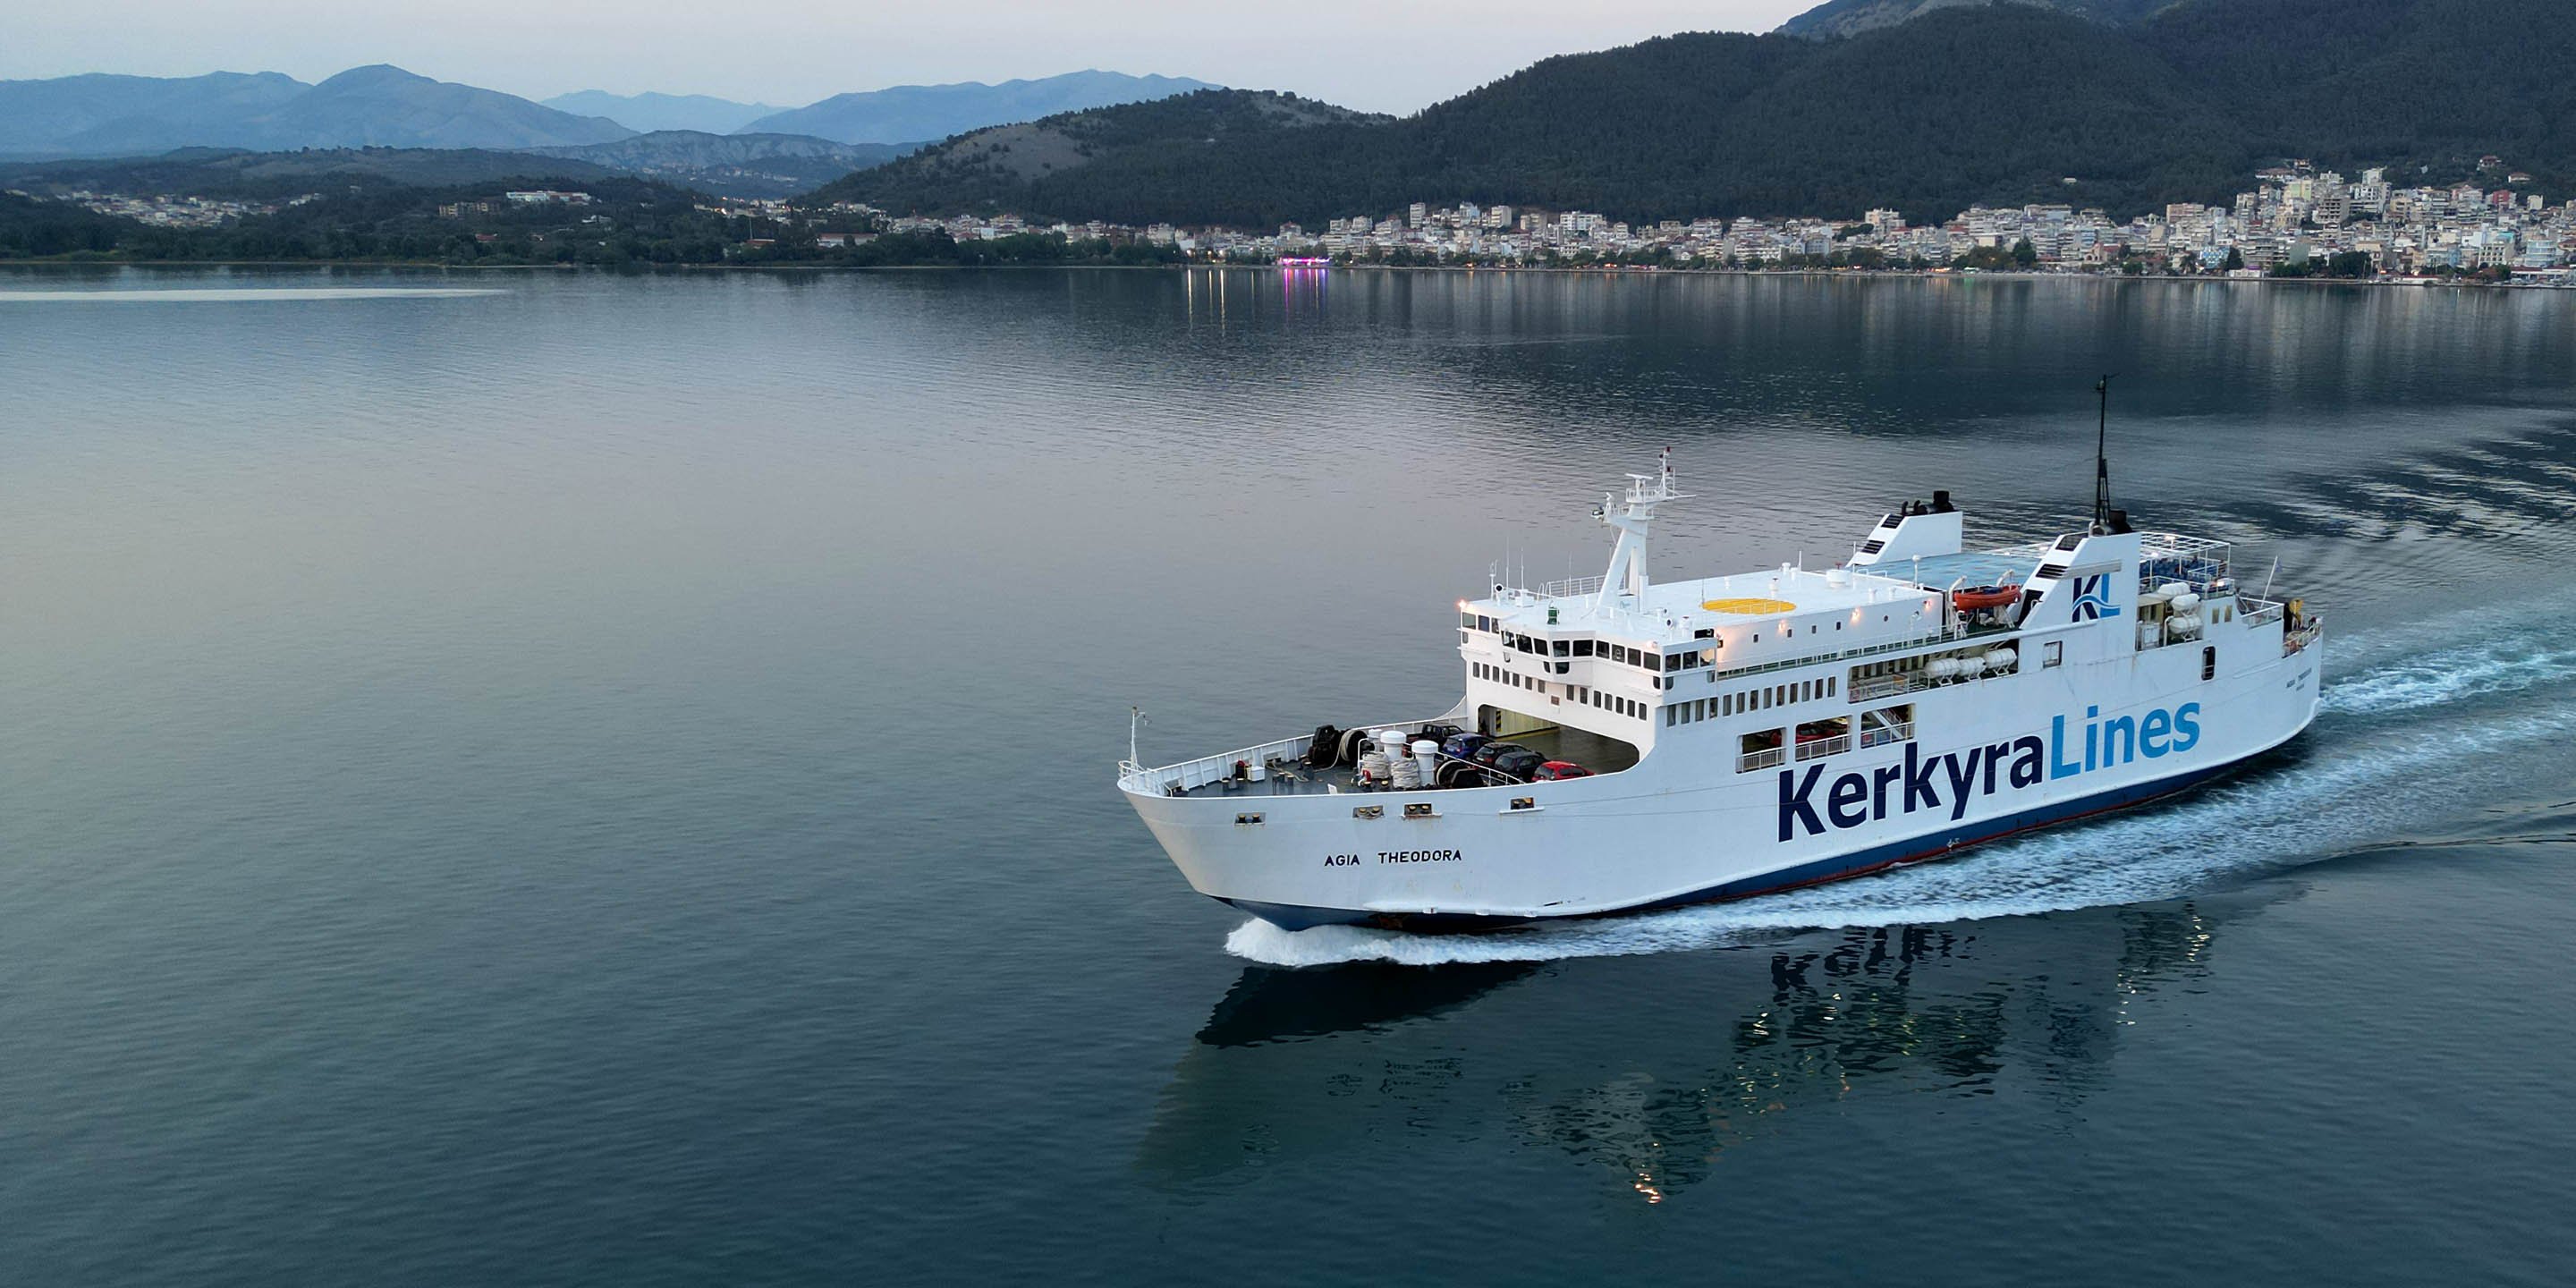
<point>579,779</point>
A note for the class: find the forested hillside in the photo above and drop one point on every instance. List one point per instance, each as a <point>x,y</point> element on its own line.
<point>1997,104</point>
<point>1124,164</point>
<point>1852,17</point>
<point>626,221</point>
<point>220,172</point>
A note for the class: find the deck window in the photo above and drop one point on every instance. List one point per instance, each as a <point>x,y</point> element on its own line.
<point>1821,738</point>
<point>1886,725</point>
<point>2209,664</point>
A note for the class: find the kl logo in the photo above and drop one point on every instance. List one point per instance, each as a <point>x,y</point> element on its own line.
<point>2093,598</point>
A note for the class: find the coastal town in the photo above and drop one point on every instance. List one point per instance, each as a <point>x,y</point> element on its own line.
<point>2297,220</point>
<point>163,210</point>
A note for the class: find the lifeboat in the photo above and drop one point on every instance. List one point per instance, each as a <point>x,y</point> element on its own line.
<point>1978,599</point>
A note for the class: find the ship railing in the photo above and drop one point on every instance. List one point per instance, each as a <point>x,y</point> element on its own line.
<point>2310,627</point>
<point>1189,775</point>
<point>2258,612</point>
<point>1570,588</point>
<point>1768,758</point>
<point>1817,748</point>
<point>1814,659</point>
<point>1882,686</point>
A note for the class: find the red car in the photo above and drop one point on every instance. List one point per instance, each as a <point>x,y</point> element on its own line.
<point>1558,770</point>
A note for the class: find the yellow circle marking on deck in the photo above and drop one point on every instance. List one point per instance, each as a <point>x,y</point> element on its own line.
<point>1750,607</point>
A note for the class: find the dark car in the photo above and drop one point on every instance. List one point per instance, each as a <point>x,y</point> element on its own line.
<point>1559,770</point>
<point>1514,766</point>
<point>1485,755</point>
<point>1461,746</point>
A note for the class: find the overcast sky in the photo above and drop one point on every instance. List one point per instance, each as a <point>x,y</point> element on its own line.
<point>1383,55</point>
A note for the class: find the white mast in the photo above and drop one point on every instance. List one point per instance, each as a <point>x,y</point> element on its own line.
<point>1634,518</point>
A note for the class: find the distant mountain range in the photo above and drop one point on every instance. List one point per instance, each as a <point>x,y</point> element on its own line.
<point>918,113</point>
<point>652,112</point>
<point>750,149</point>
<point>2006,103</point>
<point>378,106</point>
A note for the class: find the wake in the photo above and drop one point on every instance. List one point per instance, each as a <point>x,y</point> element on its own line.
<point>2395,743</point>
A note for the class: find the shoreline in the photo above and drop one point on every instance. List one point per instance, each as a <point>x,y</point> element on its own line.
<point>1605,270</point>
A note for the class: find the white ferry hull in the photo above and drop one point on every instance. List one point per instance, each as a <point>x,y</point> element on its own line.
<point>1675,831</point>
<point>1757,731</point>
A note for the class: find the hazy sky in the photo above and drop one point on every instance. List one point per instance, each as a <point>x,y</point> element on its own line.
<point>1385,55</point>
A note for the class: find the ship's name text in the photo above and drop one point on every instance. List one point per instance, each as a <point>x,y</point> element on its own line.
<point>1809,805</point>
<point>1396,856</point>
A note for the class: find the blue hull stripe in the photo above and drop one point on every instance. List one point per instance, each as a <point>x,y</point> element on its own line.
<point>1833,868</point>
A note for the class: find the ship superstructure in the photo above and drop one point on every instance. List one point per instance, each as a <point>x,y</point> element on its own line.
<point>1727,736</point>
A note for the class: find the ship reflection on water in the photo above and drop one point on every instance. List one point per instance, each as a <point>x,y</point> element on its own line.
<point>1651,1069</point>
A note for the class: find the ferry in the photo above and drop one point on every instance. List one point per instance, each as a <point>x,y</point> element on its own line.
<point>1625,745</point>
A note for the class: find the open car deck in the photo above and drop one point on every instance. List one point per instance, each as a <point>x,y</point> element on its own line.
<point>1289,776</point>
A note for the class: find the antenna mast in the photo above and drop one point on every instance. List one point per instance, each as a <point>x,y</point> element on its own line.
<point>2102,459</point>
<point>1634,517</point>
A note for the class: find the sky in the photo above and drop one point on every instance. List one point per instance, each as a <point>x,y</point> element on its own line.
<point>1378,55</point>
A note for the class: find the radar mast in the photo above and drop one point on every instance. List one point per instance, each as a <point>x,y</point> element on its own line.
<point>1634,518</point>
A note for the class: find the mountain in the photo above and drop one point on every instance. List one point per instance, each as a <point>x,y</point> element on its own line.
<point>96,113</point>
<point>378,106</point>
<point>749,165</point>
<point>2007,103</point>
<point>1851,17</point>
<point>1170,154</point>
<point>385,106</point>
<point>910,113</point>
<point>653,113</point>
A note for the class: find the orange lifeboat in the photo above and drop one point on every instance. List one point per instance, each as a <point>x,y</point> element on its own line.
<point>1979,599</point>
